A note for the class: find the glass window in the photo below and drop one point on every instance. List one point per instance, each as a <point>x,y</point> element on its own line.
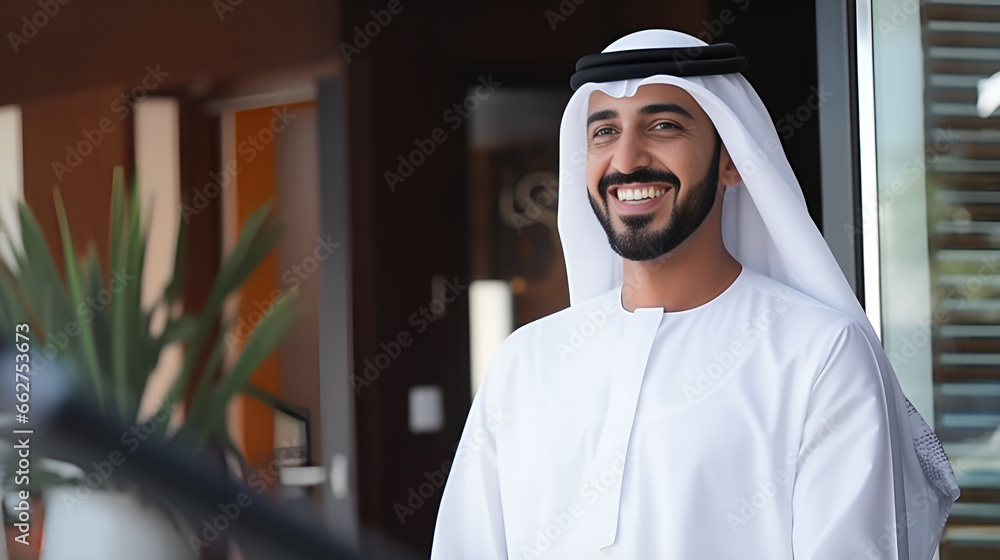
<point>936,197</point>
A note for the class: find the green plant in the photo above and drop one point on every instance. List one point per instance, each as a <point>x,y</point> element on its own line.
<point>111,358</point>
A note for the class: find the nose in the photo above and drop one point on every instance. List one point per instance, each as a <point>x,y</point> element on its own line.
<point>631,153</point>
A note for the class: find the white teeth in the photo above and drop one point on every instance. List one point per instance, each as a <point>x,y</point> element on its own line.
<point>639,194</point>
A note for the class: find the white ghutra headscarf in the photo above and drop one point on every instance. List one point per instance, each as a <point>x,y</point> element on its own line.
<point>767,228</point>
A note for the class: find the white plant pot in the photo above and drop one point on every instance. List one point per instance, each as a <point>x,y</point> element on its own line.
<point>108,525</point>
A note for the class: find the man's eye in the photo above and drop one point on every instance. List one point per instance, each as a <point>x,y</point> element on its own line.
<point>665,126</point>
<point>600,131</point>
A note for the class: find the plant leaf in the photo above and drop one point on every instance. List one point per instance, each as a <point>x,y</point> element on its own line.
<point>176,285</point>
<point>76,289</point>
<point>100,321</point>
<point>263,340</point>
<point>138,361</point>
<point>178,330</point>
<point>41,281</point>
<point>199,397</point>
<point>246,255</point>
<point>12,311</point>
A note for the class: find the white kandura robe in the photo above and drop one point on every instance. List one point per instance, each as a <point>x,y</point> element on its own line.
<point>752,427</point>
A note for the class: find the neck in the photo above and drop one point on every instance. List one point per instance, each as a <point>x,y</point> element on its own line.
<point>693,274</point>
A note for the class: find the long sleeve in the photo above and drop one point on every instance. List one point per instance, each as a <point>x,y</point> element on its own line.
<point>470,519</point>
<point>843,499</point>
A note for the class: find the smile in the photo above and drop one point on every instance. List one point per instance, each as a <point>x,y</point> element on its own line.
<point>639,196</point>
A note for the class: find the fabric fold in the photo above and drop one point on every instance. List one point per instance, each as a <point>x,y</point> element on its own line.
<point>636,343</point>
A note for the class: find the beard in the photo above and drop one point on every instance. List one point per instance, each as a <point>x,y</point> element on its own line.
<point>636,242</point>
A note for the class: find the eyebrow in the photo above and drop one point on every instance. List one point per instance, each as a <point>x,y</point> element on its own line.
<point>646,110</point>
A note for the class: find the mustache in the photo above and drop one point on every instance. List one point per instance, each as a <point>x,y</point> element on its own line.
<point>644,175</point>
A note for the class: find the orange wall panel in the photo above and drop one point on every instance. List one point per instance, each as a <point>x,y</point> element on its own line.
<point>254,187</point>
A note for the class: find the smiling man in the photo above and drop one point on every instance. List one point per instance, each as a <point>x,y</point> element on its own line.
<point>638,147</point>
<point>714,390</point>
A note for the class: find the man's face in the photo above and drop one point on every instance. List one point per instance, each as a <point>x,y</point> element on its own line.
<point>653,163</point>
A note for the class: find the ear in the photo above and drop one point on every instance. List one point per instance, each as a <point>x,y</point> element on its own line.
<point>728,174</point>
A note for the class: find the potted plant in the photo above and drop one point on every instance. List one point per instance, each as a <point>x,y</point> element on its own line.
<point>111,354</point>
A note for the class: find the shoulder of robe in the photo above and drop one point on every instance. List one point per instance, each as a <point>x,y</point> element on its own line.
<point>546,330</point>
<point>802,308</point>
<point>820,334</point>
<point>541,337</point>
<point>849,339</point>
